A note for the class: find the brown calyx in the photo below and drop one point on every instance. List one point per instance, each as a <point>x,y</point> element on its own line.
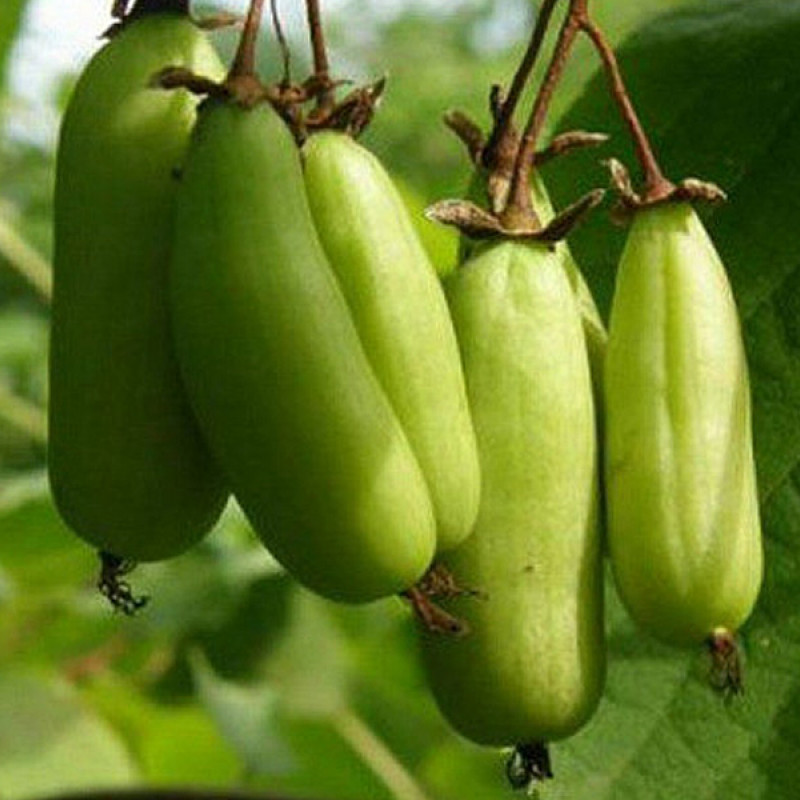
<point>117,591</point>
<point>438,584</point>
<point>478,223</point>
<point>528,765</point>
<point>727,672</point>
<point>629,201</point>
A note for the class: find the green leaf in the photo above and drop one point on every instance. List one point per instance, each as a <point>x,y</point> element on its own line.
<point>174,744</point>
<point>310,665</point>
<point>36,549</point>
<point>246,717</point>
<point>440,242</point>
<point>294,728</point>
<point>200,589</point>
<point>50,743</point>
<point>718,87</point>
<point>9,26</point>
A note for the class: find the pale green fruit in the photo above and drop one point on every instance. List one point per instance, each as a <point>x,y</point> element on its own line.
<point>277,373</point>
<point>683,521</point>
<point>532,666</point>
<point>128,468</point>
<point>400,312</point>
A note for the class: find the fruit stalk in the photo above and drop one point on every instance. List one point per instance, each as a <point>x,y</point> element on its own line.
<point>325,100</point>
<point>244,62</point>
<point>519,203</point>
<point>656,185</point>
<point>502,131</point>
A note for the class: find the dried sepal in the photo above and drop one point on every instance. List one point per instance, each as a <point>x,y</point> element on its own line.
<point>630,201</point>
<point>468,131</point>
<point>567,142</point>
<point>470,219</point>
<point>621,182</point>
<point>432,617</point>
<point>246,90</point>
<point>528,765</point>
<point>695,189</point>
<point>352,114</point>
<point>566,220</point>
<point>477,223</point>
<point>498,188</point>
<point>218,20</point>
<point>182,78</point>
<point>440,583</point>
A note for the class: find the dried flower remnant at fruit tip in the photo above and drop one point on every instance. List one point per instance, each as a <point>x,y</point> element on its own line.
<point>119,592</point>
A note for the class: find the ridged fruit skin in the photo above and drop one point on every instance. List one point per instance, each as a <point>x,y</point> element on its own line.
<point>593,328</point>
<point>532,666</point>
<point>277,374</point>
<point>683,521</point>
<point>128,468</point>
<point>401,315</point>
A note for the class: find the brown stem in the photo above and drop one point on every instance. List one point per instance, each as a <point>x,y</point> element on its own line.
<point>286,55</point>
<point>502,127</point>
<point>244,64</point>
<point>656,185</point>
<point>325,99</point>
<point>519,204</point>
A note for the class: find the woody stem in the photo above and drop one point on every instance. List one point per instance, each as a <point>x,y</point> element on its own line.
<point>519,204</point>
<point>502,126</point>
<point>656,185</point>
<point>244,64</point>
<point>320,53</point>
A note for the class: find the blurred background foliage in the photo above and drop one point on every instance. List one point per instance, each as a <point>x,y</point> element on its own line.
<point>233,676</point>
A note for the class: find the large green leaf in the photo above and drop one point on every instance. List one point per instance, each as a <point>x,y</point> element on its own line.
<point>292,728</point>
<point>9,26</point>
<point>173,743</point>
<point>718,87</point>
<point>36,548</point>
<point>49,742</point>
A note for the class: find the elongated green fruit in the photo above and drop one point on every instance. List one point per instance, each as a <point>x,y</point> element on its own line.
<point>593,328</point>
<point>683,521</point>
<point>532,666</point>
<point>402,318</point>
<point>441,243</point>
<point>128,468</point>
<point>278,375</point>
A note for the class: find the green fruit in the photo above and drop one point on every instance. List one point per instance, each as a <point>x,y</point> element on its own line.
<point>277,373</point>
<point>593,328</point>
<point>532,666</point>
<point>401,315</point>
<point>128,468</point>
<point>439,241</point>
<point>683,521</point>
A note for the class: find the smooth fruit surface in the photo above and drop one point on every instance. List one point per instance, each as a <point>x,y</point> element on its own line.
<point>402,319</point>
<point>277,373</point>
<point>532,666</point>
<point>683,521</point>
<point>128,468</point>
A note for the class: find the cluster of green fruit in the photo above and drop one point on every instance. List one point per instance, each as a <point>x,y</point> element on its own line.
<point>265,321</point>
